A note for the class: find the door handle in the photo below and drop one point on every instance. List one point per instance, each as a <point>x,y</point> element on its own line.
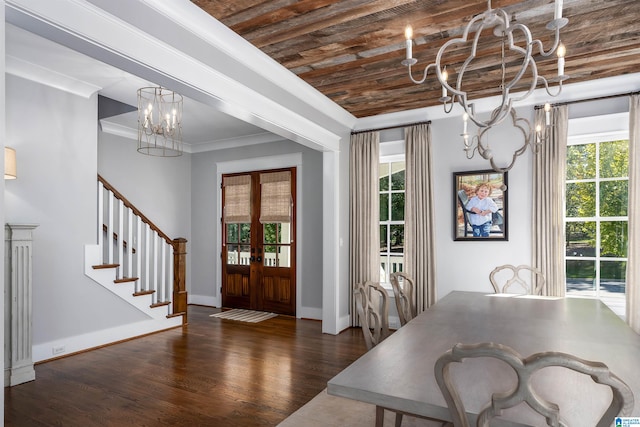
<point>253,258</point>
<point>259,259</point>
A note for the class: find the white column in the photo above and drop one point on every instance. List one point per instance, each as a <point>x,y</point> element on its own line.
<point>18,306</point>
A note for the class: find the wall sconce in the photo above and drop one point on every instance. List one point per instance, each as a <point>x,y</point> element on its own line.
<point>10,163</point>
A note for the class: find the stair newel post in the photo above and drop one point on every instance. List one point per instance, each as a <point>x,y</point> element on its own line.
<point>179,277</point>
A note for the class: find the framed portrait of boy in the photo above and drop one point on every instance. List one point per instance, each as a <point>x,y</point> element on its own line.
<point>480,205</point>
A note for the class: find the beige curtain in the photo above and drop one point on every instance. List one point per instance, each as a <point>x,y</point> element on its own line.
<point>237,199</point>
<point>633,251</point>
<point>364,213</point>
<point>275,197</point>
<point>419,228</point>
<point>549,165</point>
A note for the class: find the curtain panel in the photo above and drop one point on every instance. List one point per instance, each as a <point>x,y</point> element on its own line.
<point>633,249</point>
<point>549,176</point>
<point>419,217</point>
<point>364,213</point>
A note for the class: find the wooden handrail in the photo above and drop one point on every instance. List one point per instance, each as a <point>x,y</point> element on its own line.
<point>179,254</point>
<point>134,209</point>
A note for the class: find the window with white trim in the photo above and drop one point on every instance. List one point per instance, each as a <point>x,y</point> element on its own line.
<point>596,217</point>
<point>391,196</point>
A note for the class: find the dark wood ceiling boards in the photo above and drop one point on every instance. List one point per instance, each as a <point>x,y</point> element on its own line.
<point>351,50</point>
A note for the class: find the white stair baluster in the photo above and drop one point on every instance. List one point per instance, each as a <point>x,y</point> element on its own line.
<point>129,243</point>
<point>101,218</point>
<point>147,247</point>
<point>155,266</point>
<point>109,241</point>
<point>139,253</point>
<point>120,242</point>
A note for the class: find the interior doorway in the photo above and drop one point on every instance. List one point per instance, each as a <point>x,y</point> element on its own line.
<point>258,240</point>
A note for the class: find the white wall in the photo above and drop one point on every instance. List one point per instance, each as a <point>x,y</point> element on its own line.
<point>2,203</point>
<point>55,137</point>
<point>465,265</point>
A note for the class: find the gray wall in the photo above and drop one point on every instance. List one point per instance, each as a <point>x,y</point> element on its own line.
<point>206,223</point>
<point>55,137</point>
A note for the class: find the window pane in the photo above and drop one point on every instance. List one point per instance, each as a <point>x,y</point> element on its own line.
<point>397,177</point>
<point>284,256</point>
<point>383,239</point>
<point>244,254</point>
<point>614,159</point>
<point>397,207</point>
<point>613,239</point>
<point>270,232</point>
<point>613,276</point>
<point>245,233</point>
<point>384,207</point>
<point>581,239</point>
<point>284,234</point>
<point>581,277</point>
<point>581,161</point>
<point>232,233</point>
<point>232,255</point>
<point>581,199</point>
<point>384,176</point>
<point>613,198</point>
<point>269,256</point>
<point>396,263</point>
<point>397,238</point>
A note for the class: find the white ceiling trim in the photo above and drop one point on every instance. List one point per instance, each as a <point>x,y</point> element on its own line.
<point>192,19</point>
<point>241,141</point>
<point>44,76</point>
<point>109,39</point>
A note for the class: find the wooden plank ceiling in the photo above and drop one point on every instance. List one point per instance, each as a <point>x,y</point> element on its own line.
<point>351,50</point>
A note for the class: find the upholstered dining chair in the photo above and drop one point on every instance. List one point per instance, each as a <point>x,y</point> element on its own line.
<point>530,280</point>
<point>622,400</point>
<point>404,293</point>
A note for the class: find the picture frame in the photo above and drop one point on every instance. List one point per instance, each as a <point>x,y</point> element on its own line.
<point>492,225</point>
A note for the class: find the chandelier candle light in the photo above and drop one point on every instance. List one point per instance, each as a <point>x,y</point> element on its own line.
<point>515,38</point>
<point>159,122</point>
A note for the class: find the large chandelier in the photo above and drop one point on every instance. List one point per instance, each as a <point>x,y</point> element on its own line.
<point>515,39</point>
<point>159,122</point>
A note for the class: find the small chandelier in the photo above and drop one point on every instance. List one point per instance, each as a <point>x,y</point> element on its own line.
<point>159,122</point>
<point>515,38</point>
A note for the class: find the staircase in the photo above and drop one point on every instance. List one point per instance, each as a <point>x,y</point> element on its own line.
<point>135,260</point>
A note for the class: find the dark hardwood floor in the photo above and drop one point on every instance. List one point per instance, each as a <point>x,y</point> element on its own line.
<point>212,372</point>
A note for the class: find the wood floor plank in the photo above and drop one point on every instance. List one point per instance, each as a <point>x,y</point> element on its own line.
<point>211,372</point>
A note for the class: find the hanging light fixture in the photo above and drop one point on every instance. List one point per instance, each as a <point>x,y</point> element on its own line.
<point>515,39</point>
<point>10,167</point>
<point>159,122</point>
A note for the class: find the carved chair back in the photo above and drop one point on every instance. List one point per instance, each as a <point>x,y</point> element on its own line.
<point>530,280</point>
<point>372,304</point>
<point>622,400</point>
<point>404,293</point>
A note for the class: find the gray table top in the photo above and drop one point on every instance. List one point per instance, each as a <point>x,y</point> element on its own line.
<point>398,373</point>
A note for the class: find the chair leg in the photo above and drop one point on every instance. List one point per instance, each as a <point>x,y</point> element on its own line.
<point>379,416</point>
<point>398,419</point>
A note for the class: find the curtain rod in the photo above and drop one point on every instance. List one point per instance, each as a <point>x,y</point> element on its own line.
<point>599,98</point>
<point>354,132</point>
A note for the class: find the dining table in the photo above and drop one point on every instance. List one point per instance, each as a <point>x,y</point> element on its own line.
<point>398,374</point>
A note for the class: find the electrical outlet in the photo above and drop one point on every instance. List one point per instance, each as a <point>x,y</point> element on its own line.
<point>58,349</point>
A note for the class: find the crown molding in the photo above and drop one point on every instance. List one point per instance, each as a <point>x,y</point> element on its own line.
<point>88,29</point>
<point>26,70</point>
